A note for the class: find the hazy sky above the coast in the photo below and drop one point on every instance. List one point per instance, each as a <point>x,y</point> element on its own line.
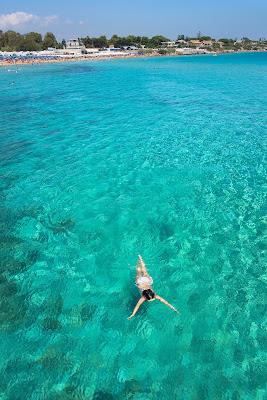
<point>68,19</point>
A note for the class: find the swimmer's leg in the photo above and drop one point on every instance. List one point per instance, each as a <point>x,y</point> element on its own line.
<point>143,266</point>
<point>138,270</point>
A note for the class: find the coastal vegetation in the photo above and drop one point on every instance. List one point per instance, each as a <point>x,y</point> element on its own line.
<point>34,41</point>
<point>119,41</point>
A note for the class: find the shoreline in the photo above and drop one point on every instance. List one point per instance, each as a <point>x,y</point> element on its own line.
<point>29,61</point>
<point>12,63</point>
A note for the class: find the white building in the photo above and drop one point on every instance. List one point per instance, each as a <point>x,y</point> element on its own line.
<point>74,47</point>
<point>92,50</point>
<point>180,41</point>
<point>129,47</point>
<point>169,43</point>
<point>114,49</point>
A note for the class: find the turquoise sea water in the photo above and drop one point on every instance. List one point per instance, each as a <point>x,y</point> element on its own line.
<point>101,161</point>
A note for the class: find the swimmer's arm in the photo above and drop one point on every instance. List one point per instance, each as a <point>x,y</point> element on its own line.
<point>136,308</point>
<point>166,303</point>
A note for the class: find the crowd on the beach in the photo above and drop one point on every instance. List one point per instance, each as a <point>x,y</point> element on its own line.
<point>30,59</point>
<point>8,60</point>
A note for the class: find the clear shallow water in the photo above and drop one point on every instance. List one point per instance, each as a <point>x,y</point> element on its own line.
<point>100,162</point>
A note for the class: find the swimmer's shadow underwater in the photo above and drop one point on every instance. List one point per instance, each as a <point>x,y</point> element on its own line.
<point>144,284</point>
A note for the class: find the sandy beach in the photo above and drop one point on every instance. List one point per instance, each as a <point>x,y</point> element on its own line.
<point>32,61</point>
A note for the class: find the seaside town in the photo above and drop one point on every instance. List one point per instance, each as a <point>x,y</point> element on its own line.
<point>31,48</point>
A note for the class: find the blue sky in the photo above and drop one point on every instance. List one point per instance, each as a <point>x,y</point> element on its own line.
<point>68,19</point>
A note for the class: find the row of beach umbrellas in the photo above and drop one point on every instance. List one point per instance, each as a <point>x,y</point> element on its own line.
<point>15,56</point>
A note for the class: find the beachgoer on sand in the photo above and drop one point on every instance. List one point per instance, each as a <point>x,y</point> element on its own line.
<point>144,283</point>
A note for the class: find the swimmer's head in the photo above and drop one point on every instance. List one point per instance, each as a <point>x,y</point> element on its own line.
<point>148,294</point>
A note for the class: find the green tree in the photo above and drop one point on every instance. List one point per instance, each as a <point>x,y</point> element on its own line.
<point>49,40</point>
<point>35,36</point>
<point>144,41</point>
<point>87,41</point>
<point>12,41</point>
<point>156,41</point>
<point>205,38</point>
<point>100,42</point>
<point>32,41</point>
<point>114,40</point>
<point>136,40</point>
<point>1,39</point>
<point>226,41</point>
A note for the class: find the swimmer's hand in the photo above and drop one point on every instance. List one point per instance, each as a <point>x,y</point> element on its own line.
<point>166,303</point>
<point>136,308</point>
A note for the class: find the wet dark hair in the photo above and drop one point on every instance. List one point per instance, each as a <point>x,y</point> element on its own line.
<point>148,294</point>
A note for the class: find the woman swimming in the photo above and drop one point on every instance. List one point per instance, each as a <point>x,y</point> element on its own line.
<point>144,283</point>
